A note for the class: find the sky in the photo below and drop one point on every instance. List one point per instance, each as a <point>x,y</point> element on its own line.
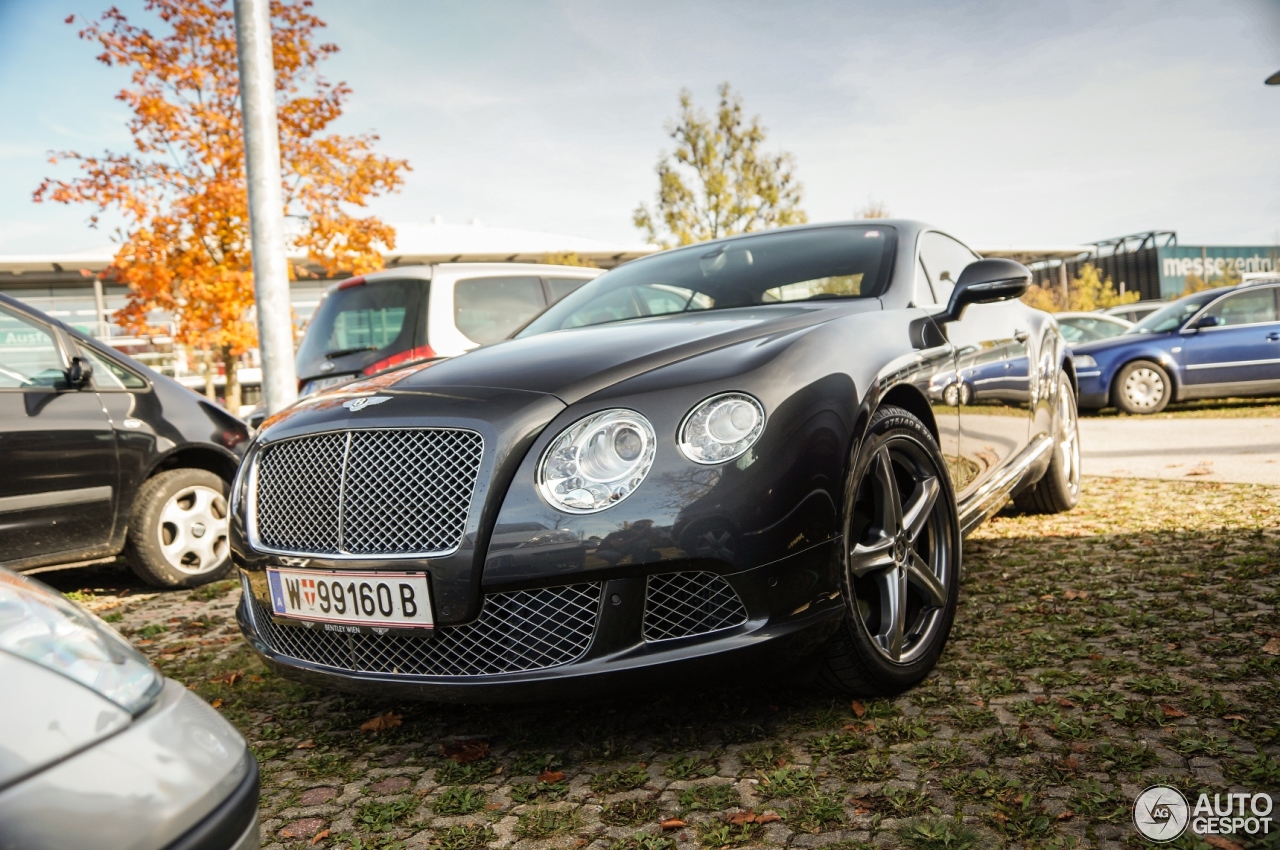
<point>1005,123</point>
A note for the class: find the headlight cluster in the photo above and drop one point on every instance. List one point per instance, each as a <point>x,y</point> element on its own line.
<point>43,627</point>
<point>721,428</point>
<point>601,459</point>
<point>597,461</point>
<point>1086,361</point>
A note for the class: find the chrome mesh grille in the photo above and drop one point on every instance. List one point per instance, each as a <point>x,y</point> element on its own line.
<point>685,604</point>
<point>378,492</point>
<point>523,630</point>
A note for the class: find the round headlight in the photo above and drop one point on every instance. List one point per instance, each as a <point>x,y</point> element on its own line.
<point>721,428</point>
<point>597,461</point>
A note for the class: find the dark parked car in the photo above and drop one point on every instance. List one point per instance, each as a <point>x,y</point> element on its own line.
<point>97,749</point>
<point>1212,344</point>
<point>103,455</point>
<point>726,454</point>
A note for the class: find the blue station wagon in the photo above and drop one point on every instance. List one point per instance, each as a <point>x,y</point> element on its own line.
<point>1214,344</point>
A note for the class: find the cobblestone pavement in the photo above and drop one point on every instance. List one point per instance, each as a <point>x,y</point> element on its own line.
<point>1132,641</point>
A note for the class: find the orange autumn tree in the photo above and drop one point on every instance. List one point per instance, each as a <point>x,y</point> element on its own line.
<point>184,247</point>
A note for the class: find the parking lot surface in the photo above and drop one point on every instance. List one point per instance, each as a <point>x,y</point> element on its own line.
<point>1132,641</point>
<point>1239,450</point>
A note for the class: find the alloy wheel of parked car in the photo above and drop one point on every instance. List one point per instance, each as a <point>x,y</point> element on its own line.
<point>902,561</point>
<point>1143,387</point>
<point>178,534</point>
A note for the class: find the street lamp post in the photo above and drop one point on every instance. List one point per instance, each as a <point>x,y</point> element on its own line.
<point>266,203</point>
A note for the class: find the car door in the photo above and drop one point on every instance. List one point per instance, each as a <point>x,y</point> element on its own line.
<point>58,490</point>
<point>1242,353</point>
<point>995,419</point>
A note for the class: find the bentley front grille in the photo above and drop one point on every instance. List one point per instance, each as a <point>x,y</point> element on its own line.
<point>681,605</point>
<point>365,493</point>
<point>522,630</point>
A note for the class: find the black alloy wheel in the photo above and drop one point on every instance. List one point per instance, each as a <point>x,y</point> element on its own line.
<point>902,561</point>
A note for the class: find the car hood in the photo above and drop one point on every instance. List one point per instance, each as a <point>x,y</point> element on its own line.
<point>45,717</point>
<point>1101,346</point>
<point>573,364</point>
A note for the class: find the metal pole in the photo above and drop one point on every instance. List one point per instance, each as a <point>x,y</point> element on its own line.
<point>266,203</point>
<point>100,302</point>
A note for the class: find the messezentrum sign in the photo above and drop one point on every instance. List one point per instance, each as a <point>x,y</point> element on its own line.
<point>1178,262</point>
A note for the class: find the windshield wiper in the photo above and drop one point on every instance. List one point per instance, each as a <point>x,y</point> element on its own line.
<point>343,351</point>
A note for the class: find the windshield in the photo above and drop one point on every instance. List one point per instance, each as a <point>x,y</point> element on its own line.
<point>1171,316</point>
<point>771,268</point>
<point>366,317</point>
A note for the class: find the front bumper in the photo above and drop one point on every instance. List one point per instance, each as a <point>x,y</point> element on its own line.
<point>790,608</point>
<point>178,778</point>
<point>1093,389</point>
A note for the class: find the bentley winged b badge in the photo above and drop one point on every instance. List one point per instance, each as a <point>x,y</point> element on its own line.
<point>355,405</point>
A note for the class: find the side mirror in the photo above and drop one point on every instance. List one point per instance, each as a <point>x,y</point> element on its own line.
<point>1205,322</point>
<point>984,282</point>
<point>80,372</point>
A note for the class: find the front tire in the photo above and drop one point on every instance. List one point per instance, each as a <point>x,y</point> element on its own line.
<point>1142,387</point>
<point>178,530</point>
<point>1058,490</point>
<point>901,558</point>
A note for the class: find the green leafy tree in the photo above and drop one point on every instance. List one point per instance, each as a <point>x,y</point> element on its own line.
<point>719,181</point>
<point>1087,291</point>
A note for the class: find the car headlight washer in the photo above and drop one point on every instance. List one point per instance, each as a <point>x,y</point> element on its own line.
<point>597,461</point>
<point>721,428</point>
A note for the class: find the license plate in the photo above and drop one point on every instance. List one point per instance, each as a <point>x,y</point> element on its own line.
<point>319,384</point>
<point>352,598</point>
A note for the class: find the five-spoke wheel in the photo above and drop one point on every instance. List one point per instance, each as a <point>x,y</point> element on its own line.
<point>902,560</point>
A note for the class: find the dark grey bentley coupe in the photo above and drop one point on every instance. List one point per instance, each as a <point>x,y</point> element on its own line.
<point>762,450</point>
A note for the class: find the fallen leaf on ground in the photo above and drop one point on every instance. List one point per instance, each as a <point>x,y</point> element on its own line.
<point>1048,597</point>
<point>1272,647</point>
<point>739,818</point>
<point>859,709</point>
<point>217,703</point>
<point>1076,594</point>
<point>1202,471</point>
<point>319,836</point>
<point>1233,717</point>
<point>770,817</point>
<point>1172,711</point>
<point>551,776</point>
<point>1067,815</point>
<point>465,752</point>
<point>1221,843</point>
<point>306,745</point>
<point>226,678</point>
<point>672,823</point>
<point>390,720</point>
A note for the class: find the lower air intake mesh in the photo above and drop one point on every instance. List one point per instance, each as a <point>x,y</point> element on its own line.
<point>685,604</point>
<point>522,630</point>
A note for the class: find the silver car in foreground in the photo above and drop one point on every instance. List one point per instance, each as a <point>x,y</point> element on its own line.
<point>97,749</point>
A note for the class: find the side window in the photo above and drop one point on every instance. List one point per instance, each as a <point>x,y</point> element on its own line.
<point>944,258</point>
<point>562,286</point>
<point>1247,308</point>
<point>29,355</point>
<point>923,291</point>
<point>489,309</point>
<point>110,375</point>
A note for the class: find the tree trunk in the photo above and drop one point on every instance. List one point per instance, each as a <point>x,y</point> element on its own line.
<point>210,391</point>
<point>230,364</point>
